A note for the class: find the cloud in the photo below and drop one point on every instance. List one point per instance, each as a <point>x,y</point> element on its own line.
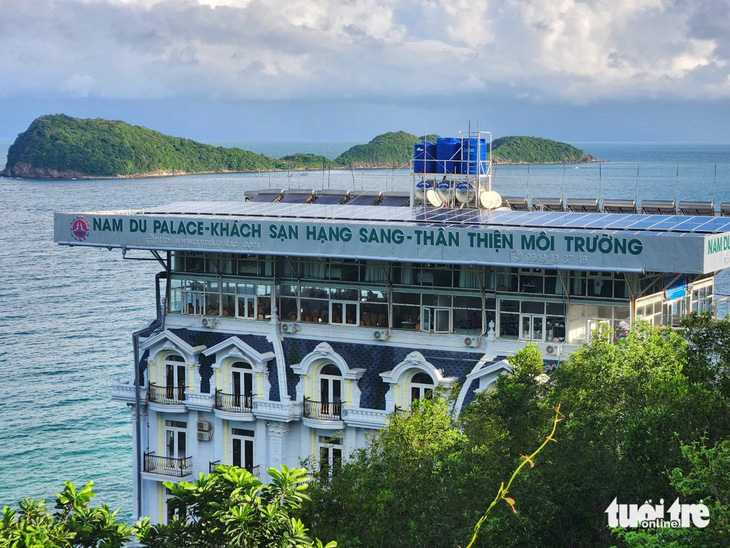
<point>559,50</point>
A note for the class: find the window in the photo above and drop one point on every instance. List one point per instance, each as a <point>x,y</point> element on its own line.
<point>174,378</point>
<point>242,448</point>
<point>175,443</point>
<point>613,321</point>
<point>344,313</point>
<point>330,455</point>
<point>242,385</point>
<point>169,511</point>
<point>532,320</point>
<point>421,387</point>
<point>374,308</point>
<point>330,391</point>
<point>436,313</point>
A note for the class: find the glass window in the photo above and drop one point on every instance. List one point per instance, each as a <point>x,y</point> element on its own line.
<point>242,448</point>
<point>330,455</point>
<point>421,387</point>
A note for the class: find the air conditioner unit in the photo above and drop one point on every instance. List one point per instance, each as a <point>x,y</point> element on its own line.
<point>209,321</point>
<point>554,349</point>
<point>380,335</point>
<point>289,327</point>
<point>204,426</point>
<point>205,436</point>
<point>472,341</point>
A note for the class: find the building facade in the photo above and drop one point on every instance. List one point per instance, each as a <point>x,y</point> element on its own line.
<point>289,331</point>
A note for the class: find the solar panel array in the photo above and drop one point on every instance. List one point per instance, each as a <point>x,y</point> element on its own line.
<point>634,222</point>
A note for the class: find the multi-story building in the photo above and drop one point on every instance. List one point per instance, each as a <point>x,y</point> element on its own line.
<point>289,325</point>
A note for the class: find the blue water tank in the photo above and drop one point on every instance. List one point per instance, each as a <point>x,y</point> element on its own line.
<point>424,154</point>
<point>448,155</point>
<point>419,157</point>
<point>474,156</point>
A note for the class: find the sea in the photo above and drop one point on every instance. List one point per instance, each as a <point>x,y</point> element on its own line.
<point>68,313</point>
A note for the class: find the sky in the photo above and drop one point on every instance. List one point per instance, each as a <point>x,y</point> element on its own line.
<point>348,70</point>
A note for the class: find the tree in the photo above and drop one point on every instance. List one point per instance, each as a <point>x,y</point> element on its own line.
<point>231,507</point>
<point>645,418</point>
<point>403,489</point>
<point>74,524</point>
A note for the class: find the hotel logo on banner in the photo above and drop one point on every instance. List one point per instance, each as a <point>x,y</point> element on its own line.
<point>79,228</point>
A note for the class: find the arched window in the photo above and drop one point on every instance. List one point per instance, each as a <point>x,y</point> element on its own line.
<point>330,390</point>
<point>174,377</point>
<point>421,387</point>
<point>242,385</point>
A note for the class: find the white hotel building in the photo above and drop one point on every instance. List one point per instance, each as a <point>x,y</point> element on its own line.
<point>289,325</point>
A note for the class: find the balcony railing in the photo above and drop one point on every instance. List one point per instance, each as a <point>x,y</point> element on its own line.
<point>323,410</point>
<point>235,403</point>
<point>168,466</point>
<point>167,395</point>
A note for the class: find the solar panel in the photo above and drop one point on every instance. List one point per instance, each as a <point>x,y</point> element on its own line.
<point>330,198</point>
<point>266,196</point>
<point>296,198</point>
<point>362,199</point>
<point>395,200</point>
<point>327,210</point>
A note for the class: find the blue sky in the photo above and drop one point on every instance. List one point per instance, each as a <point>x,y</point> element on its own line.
<point>241,70</point>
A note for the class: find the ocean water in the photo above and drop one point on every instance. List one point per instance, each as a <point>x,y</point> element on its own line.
<point>68,313</point>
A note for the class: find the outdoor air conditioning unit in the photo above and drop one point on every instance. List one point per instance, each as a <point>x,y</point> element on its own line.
<point>554,349</point>
<point>205,436</point>
<point>380,335</point>
<point>204,426</point>
<point>472,341</point>
<point>209,321</point>
<point>289,327</point>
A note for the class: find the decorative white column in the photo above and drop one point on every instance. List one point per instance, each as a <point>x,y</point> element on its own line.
<point>278,432</point>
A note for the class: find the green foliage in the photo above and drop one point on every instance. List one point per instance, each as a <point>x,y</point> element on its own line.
<point>59,145</point>
<point>74,524</point>
<point>230,507</point>
<point>106,148</point>
<point>704,477</point>
<point>397,491</point>
<point>645,418</point>
<point>302,160</point>
<point>389,149</point>
<point>533,150</point>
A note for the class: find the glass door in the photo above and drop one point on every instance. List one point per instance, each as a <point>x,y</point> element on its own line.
<point>330,390</point>
<point>175,380</point>
<point>436,320</point>
<point>532,327</point>
<point>175,444</point>
<point>242,448</point>
<point>242,377</point>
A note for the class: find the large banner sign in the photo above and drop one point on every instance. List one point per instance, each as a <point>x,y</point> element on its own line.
<point>549,248</point>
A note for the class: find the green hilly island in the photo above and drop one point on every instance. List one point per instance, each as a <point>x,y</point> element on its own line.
<point>60,146</point>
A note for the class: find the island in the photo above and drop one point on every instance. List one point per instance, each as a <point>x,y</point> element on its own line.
<point>61,147</point>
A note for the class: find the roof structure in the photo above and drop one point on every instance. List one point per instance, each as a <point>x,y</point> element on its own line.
<point>573,240</point>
